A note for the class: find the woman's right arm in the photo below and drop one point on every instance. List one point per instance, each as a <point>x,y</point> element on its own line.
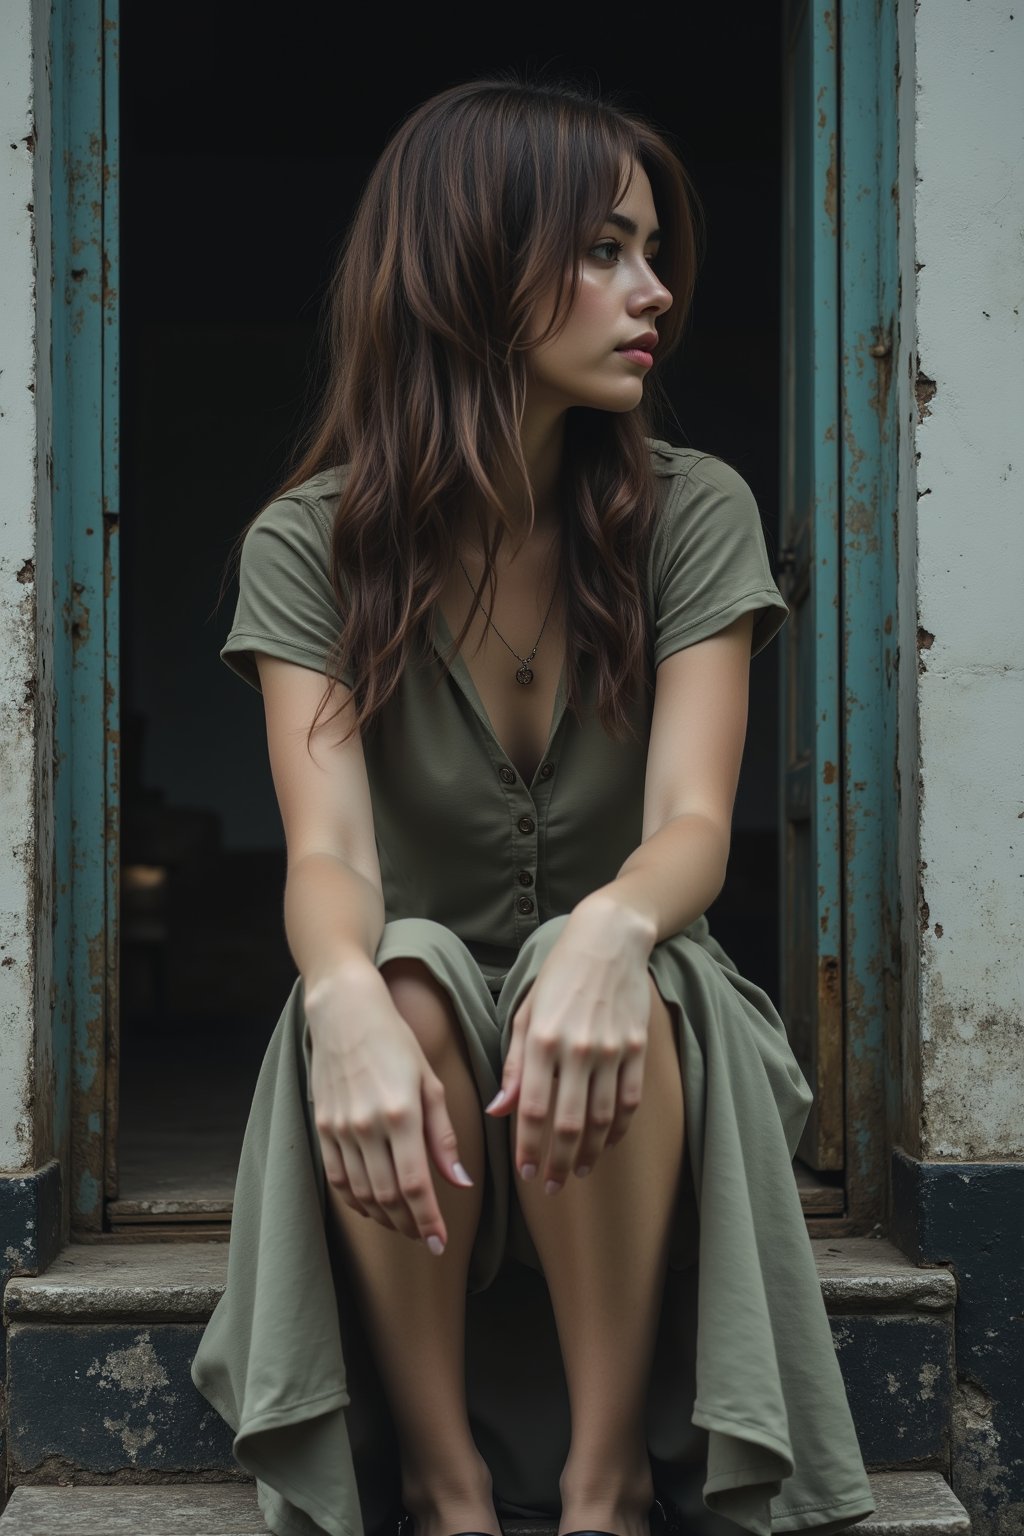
<point>378,1103</point>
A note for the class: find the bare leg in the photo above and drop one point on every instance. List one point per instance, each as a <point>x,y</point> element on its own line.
<point>415,1304</point>
<point>603,1242</point>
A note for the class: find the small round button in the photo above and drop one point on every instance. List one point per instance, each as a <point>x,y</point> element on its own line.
<point>524,877</point>
<point>508,775</point>
<point>524,903</point>
<point>547,770</point>
<point>526,824</point>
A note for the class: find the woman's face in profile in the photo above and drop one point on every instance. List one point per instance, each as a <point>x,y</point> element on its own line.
<point>620,297</point>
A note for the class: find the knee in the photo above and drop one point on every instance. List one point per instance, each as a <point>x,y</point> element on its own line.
<point>424,1004</point>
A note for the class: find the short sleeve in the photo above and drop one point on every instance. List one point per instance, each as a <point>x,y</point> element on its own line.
<point>286,604</point>
<point>709,560</point>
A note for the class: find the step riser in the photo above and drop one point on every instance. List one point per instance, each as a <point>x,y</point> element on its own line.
<point>112,1397</point>
<point>109,1399</point>
<point>899,1374</point>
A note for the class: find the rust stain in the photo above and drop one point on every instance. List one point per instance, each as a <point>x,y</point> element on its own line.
<point>830,181</point>
<point>86,1145</point>
<point>859,516</point>
<point>881,351</point>
<point>828,773</point>
<point>80,625</point>
<point>109,293</point>
<point>828,1105</point>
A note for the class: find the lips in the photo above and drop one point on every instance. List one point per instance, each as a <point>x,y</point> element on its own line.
<point>646,342</point>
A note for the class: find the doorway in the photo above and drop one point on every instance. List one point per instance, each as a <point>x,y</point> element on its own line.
<point>240,162</point>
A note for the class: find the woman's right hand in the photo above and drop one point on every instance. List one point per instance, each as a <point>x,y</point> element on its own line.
<point>378,1107</point>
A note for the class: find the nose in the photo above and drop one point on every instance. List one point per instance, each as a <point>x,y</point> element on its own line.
<point>652,295</point>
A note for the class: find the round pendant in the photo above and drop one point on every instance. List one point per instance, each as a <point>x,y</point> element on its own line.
<point>525,674</point>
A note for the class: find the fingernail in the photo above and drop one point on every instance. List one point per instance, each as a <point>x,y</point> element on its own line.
<point>529,1170</point>
<point>581,1173</point>
<point>499,1098</point>
<point>461,1174</point>
<point>552,1187</point>
<point>435,1244</point>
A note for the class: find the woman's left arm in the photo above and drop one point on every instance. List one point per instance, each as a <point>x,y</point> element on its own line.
<point>698,731</point>
<point>591,995</point>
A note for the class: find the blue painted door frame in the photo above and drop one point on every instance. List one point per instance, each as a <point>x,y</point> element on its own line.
<point>839,949</point>
<point>84,75</point>
<point>838,880</point>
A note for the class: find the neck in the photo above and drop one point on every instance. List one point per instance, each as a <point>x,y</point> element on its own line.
<point>542,437</point>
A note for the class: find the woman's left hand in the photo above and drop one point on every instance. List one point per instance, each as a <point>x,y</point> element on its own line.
<point>582,1028</point>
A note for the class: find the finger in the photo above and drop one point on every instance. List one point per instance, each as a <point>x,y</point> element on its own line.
<point>437,1130</point>
<point>540,1067</point>
<point>601,1107</point>
<point>387,1193</point>
<point>512,1067</point>
<point>416,1181</point>
<point>358,1177</point>
<point>631,1085</point>
<point>570,1115</point>
<point>334,1169</point>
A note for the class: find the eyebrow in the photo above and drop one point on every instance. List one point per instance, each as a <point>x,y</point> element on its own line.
<point>621,221</point>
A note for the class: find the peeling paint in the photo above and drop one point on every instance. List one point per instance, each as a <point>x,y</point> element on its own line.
<point>924,392</point>
<point>979,1475</point>
<point>972,1071</point>
<point>136,1369</point>
<point>132,1440</point>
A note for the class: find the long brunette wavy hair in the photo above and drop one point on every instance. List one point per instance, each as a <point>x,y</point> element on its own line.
<point>486,198</point>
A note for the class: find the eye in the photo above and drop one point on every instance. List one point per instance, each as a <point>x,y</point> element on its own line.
<point>610,244</point>
<point>616,247</point>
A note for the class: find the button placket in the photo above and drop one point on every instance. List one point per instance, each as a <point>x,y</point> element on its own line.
<point>525,905</point>
<point>525,873</point>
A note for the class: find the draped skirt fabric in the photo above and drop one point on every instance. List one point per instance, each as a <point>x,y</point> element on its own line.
<point>748,1423</point>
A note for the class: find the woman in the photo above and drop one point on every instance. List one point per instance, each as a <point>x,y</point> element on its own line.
<point>498,865</point>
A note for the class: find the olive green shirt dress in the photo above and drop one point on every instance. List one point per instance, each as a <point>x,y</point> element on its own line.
<point>480,870</point>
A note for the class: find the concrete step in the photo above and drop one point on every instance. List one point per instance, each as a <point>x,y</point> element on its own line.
<point>99,1349</point>
<point>909,1504</point>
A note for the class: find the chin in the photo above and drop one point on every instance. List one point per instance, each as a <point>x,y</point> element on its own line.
<point>620,402</point>
<point>622,399</point>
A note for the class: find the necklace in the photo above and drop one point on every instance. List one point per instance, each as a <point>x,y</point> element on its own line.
<point>524,673</point>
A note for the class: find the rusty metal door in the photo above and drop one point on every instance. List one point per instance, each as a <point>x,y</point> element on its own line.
<point>83,66</point>
<point>840,965</point>
<point>809,572</point>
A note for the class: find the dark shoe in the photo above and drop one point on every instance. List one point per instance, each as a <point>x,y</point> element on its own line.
<point>407,1527</point>
<point>657,1520</point>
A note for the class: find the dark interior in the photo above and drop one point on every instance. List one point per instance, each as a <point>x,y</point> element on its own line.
<point>244,142</point>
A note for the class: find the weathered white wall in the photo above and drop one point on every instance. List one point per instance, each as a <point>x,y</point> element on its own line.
<point>969,220</point>
<point>46,768</point>
<point>23,404</point>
